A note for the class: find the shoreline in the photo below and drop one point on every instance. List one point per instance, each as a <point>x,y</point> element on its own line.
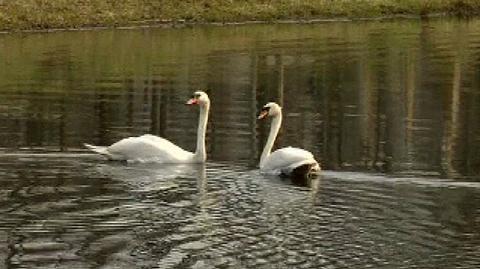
<point>55,15</point>
<point>183,23</point>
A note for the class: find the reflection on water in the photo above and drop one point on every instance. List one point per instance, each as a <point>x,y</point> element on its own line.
<point>399,97</point>
<point>391,96</point>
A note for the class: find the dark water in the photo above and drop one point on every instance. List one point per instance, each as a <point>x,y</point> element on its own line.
<point>391,109</point>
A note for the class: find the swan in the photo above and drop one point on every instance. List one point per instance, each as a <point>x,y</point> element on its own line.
<point>289,161</point>
<point>151,148</point>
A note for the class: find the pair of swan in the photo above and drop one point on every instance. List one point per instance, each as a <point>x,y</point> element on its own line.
<point>149,148</point>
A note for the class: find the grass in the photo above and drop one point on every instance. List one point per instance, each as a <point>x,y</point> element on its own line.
<point>47,14</point>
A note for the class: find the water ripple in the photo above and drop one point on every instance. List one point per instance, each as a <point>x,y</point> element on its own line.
<point>229,216</point>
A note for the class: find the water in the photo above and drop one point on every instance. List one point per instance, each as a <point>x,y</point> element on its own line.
<point>389,108</point>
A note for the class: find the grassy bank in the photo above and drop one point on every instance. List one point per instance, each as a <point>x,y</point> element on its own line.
<point>46,14</point>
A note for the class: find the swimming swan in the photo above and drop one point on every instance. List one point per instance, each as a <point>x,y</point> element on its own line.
<point>151,148</point>
<point>293,162</point>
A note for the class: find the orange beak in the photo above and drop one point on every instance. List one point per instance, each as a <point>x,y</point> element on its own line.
<point>262,115</point>
<point>192,101</point>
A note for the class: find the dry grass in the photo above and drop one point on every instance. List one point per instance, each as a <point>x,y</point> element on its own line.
<point>43,14</point>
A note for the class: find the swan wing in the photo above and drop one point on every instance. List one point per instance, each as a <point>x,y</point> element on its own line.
<point>285,160</point>
<point>148,148</point>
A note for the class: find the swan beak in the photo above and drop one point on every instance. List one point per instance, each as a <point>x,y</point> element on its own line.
<point>262,115</point>
<point>192,101</point>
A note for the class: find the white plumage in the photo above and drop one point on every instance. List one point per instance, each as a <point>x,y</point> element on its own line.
<point>285,160</point>
<point>145,148</point>
<point>151,148</point>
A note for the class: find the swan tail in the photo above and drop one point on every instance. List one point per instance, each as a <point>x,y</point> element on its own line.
<point>303,170</point>
<point>99,149</point>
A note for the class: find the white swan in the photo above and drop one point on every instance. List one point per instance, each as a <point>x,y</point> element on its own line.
<point>150,148</point>
<point>293,162</point>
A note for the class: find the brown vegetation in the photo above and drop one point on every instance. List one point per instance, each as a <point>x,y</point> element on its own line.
<point>47,14</point>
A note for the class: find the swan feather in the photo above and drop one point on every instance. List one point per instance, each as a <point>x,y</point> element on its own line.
<point>285,160</point>
<point>149,148</point>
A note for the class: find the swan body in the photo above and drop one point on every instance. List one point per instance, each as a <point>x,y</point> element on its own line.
<point>145,148</point>
<point>151,148</point>
<point>287,161</point>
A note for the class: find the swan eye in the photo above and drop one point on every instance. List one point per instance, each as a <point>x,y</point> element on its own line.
<point>265,108</point>
<point>197,96</point>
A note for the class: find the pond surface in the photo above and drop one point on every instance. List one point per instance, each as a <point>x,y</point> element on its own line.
<point>391,109</point>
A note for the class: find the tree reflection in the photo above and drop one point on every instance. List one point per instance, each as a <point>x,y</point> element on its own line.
<point>359,96</point>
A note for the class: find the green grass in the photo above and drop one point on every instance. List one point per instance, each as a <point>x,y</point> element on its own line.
<point>46,14</point>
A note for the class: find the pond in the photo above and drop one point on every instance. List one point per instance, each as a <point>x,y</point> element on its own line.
<point>390,108</point>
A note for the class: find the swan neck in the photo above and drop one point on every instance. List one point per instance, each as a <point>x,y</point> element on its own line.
<point>274,128</point>
<point>200,153</point>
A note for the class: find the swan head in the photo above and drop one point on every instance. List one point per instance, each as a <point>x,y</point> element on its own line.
<point>199,98</point>
<point>270,110</point>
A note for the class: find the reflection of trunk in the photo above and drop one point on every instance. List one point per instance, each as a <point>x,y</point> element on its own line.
<point>130,107</point>
<point>472,151</point>
<point>155,113</point>
<point>380,158</point>
<point>62,133</point>
<point>253,104</point>
<point>368,111</point>
<point>279,70</point>
<point>333,124</point>
<point>102,112</point>
<point>164,115</point>
<point>158,113</point>
<point>410,106</point>
<point>281,79</point>
<point>158,109</point>
<point>399,107</point>
<point>453,122</point>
